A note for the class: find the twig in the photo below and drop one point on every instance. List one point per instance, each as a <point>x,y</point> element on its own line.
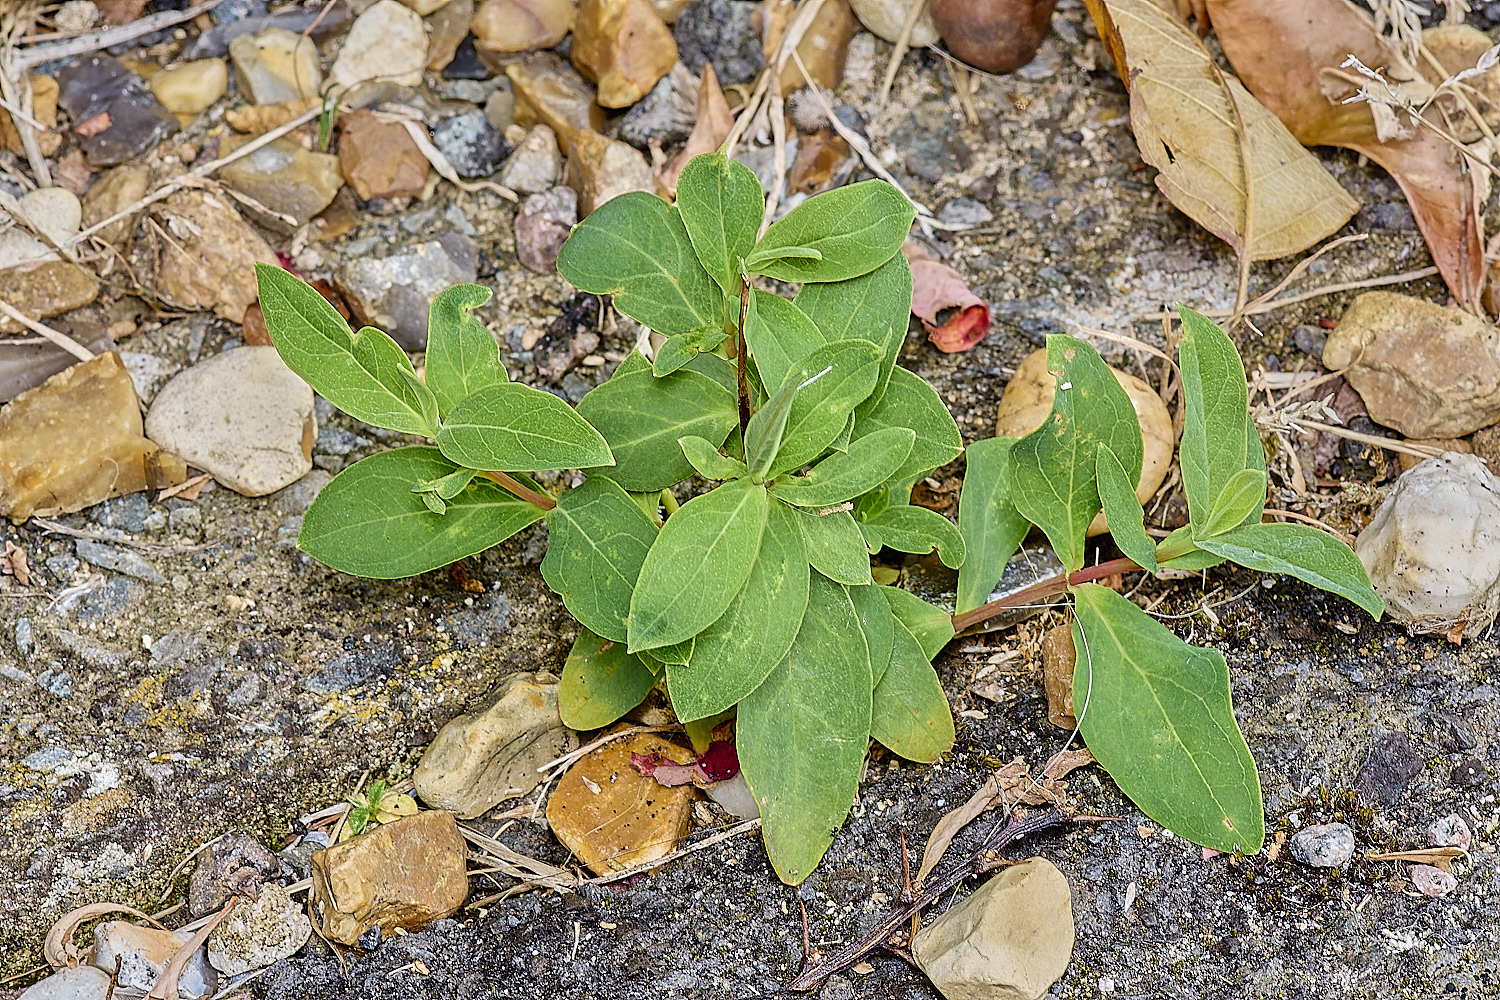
<point>62,340</point>
<point>37,54</point>
<point>1011,832</point>
<point>1390,444</point>
<point>903,42</point>
<point>1343,286</point>
<point>1045,588</point>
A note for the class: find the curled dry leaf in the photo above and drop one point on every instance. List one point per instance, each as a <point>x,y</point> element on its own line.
<point>709,131</point>
<point>719,762</point>
<point>1291,55</point>
<point>59,949</point>
<point>13,563</point>
<point>954,317</point>
<point>1223,158</point>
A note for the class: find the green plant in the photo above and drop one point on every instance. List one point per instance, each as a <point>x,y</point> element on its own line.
<point>1154,710</point>
<point>754,595</point>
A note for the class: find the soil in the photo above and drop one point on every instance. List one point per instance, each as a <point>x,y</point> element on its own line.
<point>257,686</point>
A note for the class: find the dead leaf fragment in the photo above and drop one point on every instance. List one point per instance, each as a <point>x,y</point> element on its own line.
<point>954,317</point>
<point>1058,661</point>
<point>13,563</point>
<point>1438,857</point>
<point>709,132</point>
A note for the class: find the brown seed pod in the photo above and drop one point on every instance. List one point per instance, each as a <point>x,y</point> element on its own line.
<point>997,36</point>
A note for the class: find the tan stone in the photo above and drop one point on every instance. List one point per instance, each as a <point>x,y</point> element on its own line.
<point>824,49</point>
<point>44,110</point>
<point>522,25</point>
<point>550,92</point>
<point>1427,370</point>
<point>404,874</point>
<point>114,191</point>
<point>276,65</point>
<point>600,169</point>
<point>45,288</point>
<point>258,119</point>
<point>611,816</point>
<point>386,42</point>
<point>1028,399</point>
<point>480,759</point>
<point>211,262</point>
<point>283,176</point>
<point>886,18</point>
<point>446,31</point>
<point>76,440</point>
<point>379,159</point>
<point>190,87</point>
<point>623,47</point>
<point>1010,939</point>
<point>425,7</point>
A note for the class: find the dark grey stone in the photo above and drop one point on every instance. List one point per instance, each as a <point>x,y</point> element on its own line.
<point>719,32</point>
<point>1390,216</point>
<point>118,559</point>
<point>1310,339</point>
<point>112,599</point>
<point>1390,766</point>
<point>127,513</point>
<point>471,143</point>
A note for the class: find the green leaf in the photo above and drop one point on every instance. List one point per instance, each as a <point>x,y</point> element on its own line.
<point>831,381</point>
<point>714,367</point>
<point>1297,550</point>
<point>1216,397</point>
<point>803,733</point>
<point>360,373</point>
<point>643,417</point>
<point>767,428</point>
<point>514,428</point>
<point>875,306</point>
<point>911,402</point>
<point>1255,460</point>
<point>700,561</point>
<point>705,458</point>
<point>676,653</point>
<point>462,356</point>
<point>835,547</point>
<point>930,625</point>
<point>1156,714</point>
<point>1178,551</point>
<point>368,522</point>
<point>856,228</point>
<point>839,477</point>
<point>1127,521</point>
<point>1052,469</point>
<point>600,682</point>
<point>598,539</point>
<point>918,530</point>
<point>1242,497</point>
<point>446,487</point>
<point>760,258</point>
<point>676,351</point>
<point>878,625</point>
<point>779,335</point>
<point>736,653</point>
<point>991,527</point>
<point>636,247</point>
<point>910,715</point>
<point>721,204</point>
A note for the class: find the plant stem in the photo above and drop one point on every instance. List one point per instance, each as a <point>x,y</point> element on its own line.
<point>1046,588</point>
<point>740,350</point>
<point>669,501</point>
<point>526,493</point>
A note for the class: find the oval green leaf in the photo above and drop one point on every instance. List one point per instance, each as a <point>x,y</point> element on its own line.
<point>910,402</point>
<point>514,428</point>
<point>918,530</point>
<point>874,306</point>
<point>855,228</point>
<point>991,527</point>
<point>600,682</point>
<point>643,417</point>
<point>1310,555</point>
<point>870,461</point>
<point>462,356</point>
<point>831,381</point>
<point>721,204</point>
<point>598,539</point>
<point>835,546</point>
<point>911,715</point>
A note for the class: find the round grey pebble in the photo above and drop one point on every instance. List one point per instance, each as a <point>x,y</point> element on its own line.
<point>471,143</point>
<point>1325,846</point>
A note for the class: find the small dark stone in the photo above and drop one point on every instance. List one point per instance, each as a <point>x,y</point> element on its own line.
<point>97,85</point>
<point>127,513</point>
<point>471,143</point>
<point>1492,13</point>
<point>112,599</point>
<point>234,864</point>
<point>719,32</point>
<point>1390,766</point>
<point>234,10</point>
<point>370,939</point>
<point>1469,772</point>
<point>1310,339</point>
<point>1390,216</point>
<point>466,64</point>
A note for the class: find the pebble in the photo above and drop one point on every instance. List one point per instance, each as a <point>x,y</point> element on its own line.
<point>118,559</point>
<point>886,18</point>
<point>1431,880</point>
<point>232,864</point>
<point>394,293</point>
<point>483,758</point>
<point>550,92</point>
<point>283,176</point>
<point>1310,340</point>
<point>542,226</point>
<point>216,266</point>
<point>1010,938</point>
<point>55,211</point>
<point>425,7</point>
<point>1450,831</point>
<point>611,816</point>
<point>965,211</point>
<point>259,932</point>
<point>1469,773</point>
<point>1327,845</point>
<point>144,953</point>
<point>471,143</point>
<point>600,169</point>
<point>44,110</point>
<point>379,159</point>
<point>76,440</point>
<point>83,983</point>
<point>522,25</point>
<point>403,874</point>
<point>387,42</point>
<point>666,115</point>
<point>823,49</point>
<point>276,66</point>
<point>97,85</point>
<point>190,87</point>
<point>535,165</point>
<point>243,416</point>
<point>40,287</point>
<point>719,32</point>
<point>1433,548</point>
<point>623,46</point>
<point>114,191</point>
<point>1427,370</point>
<point>465,63</point>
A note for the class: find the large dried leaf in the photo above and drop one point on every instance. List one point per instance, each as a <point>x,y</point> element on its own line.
<point>1224,160</point>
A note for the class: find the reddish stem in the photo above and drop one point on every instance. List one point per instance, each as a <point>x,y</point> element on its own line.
<point>1046,588</point>
<point>526,493</point>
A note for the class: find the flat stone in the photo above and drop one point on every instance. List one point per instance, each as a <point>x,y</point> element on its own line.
<point>550,92</point>
<point>719,32</point>
<point>243,416</point>
<point>55,211</point>
<point>1433,548</point>
<point>386,42</point>
<point>258,119</point>
<point>379,159</point>
<point>403,874</point>
<point>115,191</point>
<point>283,176</point>
<point>886,18</point>
<point>121,560</point>
<point>623,47</point>
<point>447,29</point>
<point>25,366</point>
<point>1010,939</point>
<point>1389,767</point>
<point>471,143</point>
<point>144,953</point>
<point>611,816</point>
<point>83,983</point>
<point>215,268</point>
<point>44,288</point>
<point>535,165</point>
<point>1431,880</point>
<point>44,110</point>
<point>1326,845</point>
<point>97,86</point>
<point>823,49</point>
<point>522,25</point>
<point>542,226</point>
<point>1427,370</point>
<point>600,169</point>
<point>190,87</point>
<point>76,440</point>
<point>236,863</point>
<point>258,933</point>
<point>483,758</point>
<point>275,66</point>
<point>395,293</point>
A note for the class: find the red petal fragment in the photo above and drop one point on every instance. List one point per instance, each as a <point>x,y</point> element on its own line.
<point>938,289</point>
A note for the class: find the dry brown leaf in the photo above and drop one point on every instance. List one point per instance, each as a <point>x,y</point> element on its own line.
<point>709,132</point>
<point>13,563</point>
<point>1289,54</point>
<point>1223,159</point>
<point>1058,661</point>
<point>59,949</point>
<point>1438,857</point>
